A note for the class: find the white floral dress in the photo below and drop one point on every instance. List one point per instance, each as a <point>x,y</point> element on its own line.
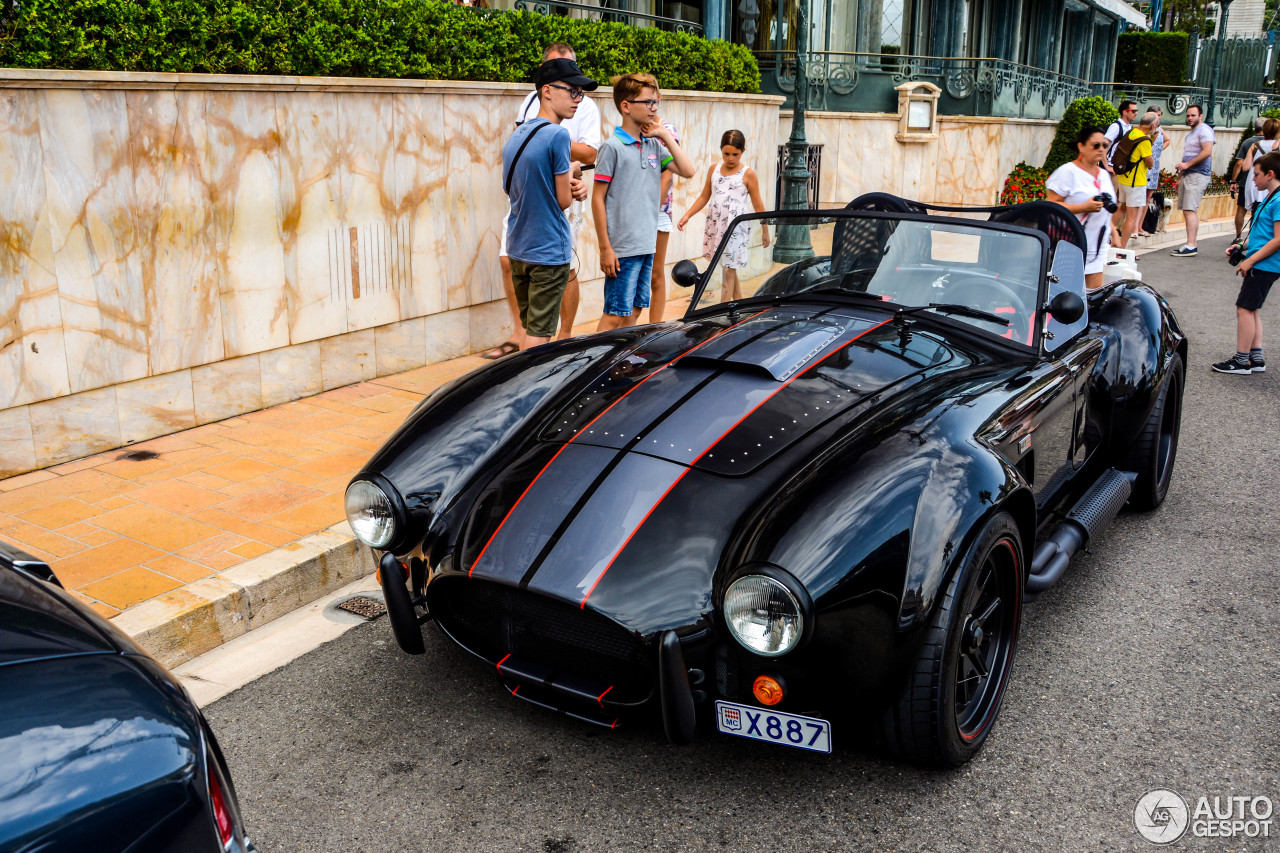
<point>729,198</point>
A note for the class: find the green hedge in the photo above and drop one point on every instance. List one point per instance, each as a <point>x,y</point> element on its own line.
<point>425,39</point>
<point>1079,113</point>
<point>1152,59</point>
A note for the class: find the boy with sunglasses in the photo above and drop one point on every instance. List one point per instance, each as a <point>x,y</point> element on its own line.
<point>537,176</point>
<point>584,139</point>
<point>629,171</point>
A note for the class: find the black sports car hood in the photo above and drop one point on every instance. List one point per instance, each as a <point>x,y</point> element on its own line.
<point>733,402</point>
<point>620,516</point>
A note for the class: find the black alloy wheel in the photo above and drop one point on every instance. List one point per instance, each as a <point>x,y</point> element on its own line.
<point>1156,447</point>
<point>986,640</point>
<point>950,698</point>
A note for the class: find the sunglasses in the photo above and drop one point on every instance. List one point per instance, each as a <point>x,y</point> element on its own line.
<point>574,91</point>
<point>651,103</point>
<point>1103,145</point>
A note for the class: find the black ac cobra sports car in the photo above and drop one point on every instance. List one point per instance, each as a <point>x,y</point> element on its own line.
<point>782,517</point>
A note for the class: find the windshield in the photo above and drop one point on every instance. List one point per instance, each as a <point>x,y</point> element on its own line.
<point>983,276</point>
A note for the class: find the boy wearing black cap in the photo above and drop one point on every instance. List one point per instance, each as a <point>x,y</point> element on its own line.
<point>536,176</point>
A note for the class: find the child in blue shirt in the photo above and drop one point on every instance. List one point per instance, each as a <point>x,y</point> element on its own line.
<point>629,167</point>
<point>1260,268</point>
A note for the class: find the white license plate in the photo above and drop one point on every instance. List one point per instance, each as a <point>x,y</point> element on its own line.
<point>773,726</point>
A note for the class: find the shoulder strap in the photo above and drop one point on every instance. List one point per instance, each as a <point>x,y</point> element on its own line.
<point>506,182</point>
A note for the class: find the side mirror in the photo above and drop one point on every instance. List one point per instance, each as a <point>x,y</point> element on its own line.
<point>1066,307</point>
<point>13,557</point>
<point>685,274</point>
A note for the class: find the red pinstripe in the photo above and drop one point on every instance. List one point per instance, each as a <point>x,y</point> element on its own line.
<point>592,421</point>
<point>711,446</point>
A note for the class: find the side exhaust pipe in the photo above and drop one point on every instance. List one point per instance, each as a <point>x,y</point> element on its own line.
<point>1086,521</point>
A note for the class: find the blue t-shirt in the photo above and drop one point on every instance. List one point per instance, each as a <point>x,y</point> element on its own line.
<point>537,232</point>
<point>1261,232</point>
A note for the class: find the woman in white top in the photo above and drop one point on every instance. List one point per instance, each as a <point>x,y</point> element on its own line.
<point>1270,130</point>
<point>1076,186</point>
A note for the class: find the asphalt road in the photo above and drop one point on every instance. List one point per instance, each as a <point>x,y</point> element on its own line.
<point>1155,663</point>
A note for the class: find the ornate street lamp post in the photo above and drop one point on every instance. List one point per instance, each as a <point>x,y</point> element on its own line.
<point>793,237</point>
<point>1217,59</point>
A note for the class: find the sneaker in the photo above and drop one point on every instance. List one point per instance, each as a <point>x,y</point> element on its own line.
<point>1257,364</point>
<point>1234,365</point>
<point>1185,252</point>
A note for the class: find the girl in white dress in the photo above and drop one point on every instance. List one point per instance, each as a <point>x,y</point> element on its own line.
<point>730,185</point>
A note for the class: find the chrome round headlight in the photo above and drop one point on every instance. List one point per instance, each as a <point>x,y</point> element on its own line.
<point>371,514</point>
<point>763,615</point>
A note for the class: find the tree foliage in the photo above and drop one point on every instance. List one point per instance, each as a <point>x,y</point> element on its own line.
<point>1079,113</point>
<point>1152,59</point>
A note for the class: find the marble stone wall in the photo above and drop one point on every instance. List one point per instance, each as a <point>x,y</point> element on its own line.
<point>967,164</point>
<point>178,249</point>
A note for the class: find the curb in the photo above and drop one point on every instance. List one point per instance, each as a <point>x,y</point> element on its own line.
<point>1178,235</point>
<point>203,615</point>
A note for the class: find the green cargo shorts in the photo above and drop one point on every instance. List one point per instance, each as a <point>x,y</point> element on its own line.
<point>539,289</point>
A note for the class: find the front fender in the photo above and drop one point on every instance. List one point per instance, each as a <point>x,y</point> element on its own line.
<point>874,533</point>
<point>482,421</point>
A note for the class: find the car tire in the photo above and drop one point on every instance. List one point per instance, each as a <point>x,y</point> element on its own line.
<point>942,716</point>
<point>1153,453</point>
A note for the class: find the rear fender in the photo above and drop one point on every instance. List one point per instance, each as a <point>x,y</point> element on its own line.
<point>1136,360</point>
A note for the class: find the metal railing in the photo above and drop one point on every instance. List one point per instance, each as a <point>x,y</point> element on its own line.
<point>1231,108</point>
<point>605,13</point>
<point>864,82</point>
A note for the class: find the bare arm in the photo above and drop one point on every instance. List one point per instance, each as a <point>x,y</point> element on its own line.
<point>1090,206</point>
<point>699,203</point>
<point>1265,250</point>
<point>583,153</point>
<point>680,162</point>
<point>608,260</point>
<point>753,190</point>
<point>1205,153</point>
<point>564,193</point>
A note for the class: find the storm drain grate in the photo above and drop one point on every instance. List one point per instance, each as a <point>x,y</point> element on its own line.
<point>366,607</point>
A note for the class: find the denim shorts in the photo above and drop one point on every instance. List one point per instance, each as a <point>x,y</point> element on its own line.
<point>629,292</point>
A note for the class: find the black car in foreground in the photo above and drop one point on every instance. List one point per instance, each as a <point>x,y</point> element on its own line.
<point>101,749</point>
<point>809,515</point>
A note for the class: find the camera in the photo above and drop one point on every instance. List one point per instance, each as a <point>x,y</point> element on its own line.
<point>1235,254</point>
<point>1108,203</point>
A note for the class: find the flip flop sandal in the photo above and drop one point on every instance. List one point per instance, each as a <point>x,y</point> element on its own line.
<point>507,348</point>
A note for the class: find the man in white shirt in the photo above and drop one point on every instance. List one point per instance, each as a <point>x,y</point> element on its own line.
<point>584,136</point>
<point>1118,130</point>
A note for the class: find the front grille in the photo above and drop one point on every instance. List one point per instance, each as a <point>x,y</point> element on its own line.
<point>494,620</point>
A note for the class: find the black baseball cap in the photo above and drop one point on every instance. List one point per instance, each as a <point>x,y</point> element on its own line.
<point>566,70</point>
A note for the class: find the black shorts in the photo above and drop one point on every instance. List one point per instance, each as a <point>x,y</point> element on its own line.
<point>1253,292</point>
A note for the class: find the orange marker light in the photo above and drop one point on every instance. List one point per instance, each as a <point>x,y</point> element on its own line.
<point>767,690</point>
